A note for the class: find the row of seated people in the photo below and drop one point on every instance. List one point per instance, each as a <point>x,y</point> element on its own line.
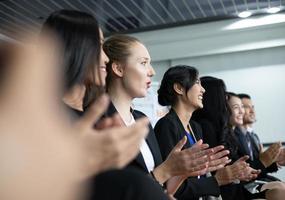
<point>167,162</point>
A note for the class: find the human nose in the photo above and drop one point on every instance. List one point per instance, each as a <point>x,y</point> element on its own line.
<point>151,71</point>
<point>202,89</point>
<point>104,57</point>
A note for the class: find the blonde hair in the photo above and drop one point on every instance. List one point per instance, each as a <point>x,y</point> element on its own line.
<point>118,49</point>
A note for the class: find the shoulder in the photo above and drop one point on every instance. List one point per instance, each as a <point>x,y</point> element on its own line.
<point>166,121</point>
<point>196,128</point>
<point>195,124</point>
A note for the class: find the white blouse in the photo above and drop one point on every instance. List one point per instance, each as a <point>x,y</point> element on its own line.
<point>144,149</point>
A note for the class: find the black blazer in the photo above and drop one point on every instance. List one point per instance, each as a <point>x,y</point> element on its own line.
<point>169,131</point>
<point>138,162</point>
<point>255,163</point>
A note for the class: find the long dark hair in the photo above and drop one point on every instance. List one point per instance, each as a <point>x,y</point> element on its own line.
<point>215,109</point>
<point>80,37</point>
<point>184,75</point>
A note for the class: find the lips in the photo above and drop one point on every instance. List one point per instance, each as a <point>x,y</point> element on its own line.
<point>148,84</point>
<point>103,68</point>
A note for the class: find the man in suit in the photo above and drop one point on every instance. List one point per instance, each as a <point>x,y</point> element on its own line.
<point>251,142</point>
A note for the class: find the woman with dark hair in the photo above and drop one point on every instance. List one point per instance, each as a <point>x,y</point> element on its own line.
<point>83,58</point>
<point>84,64</point>
<point>129,76</point>
<point>181,89</point>
<point>213,118</point>
<point>265,163</point>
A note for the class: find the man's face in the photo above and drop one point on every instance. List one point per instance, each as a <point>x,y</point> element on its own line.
<point>249,116</point>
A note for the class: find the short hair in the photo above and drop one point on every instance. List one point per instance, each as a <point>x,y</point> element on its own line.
<point>181,74</point>
<point>243,95</point>
<point>231,94</point>
<point>80,37</point>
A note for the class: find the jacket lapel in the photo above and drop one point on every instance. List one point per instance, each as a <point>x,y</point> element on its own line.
<point>152,143</point>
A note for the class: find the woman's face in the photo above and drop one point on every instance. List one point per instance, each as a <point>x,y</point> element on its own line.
<point>137,71</point>
<point>237,109</point>
<point>195,95</point>
<point>101,73</point>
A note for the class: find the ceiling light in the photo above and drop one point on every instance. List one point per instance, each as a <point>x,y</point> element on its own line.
<point>244,14</point>
<point>273,10</point>
<point>257,21</point>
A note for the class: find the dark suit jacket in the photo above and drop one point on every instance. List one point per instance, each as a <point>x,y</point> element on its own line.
<point>138,162</point>
<point>169,131</point>
<point>255,163</point>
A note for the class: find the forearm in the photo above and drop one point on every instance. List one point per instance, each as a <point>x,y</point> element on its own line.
<point>162,173</point>
<point>174,183</point>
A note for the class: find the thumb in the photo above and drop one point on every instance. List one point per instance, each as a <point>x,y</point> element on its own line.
<point>95,111</point>
<point>244,158</point>
<point>180,144</point>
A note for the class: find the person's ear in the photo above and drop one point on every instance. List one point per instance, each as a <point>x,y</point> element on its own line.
<point>117,68</point>
<point>178,88</point>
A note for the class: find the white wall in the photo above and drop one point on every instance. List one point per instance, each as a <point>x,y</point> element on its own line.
<point>249,60</point>
<point>260,73</point>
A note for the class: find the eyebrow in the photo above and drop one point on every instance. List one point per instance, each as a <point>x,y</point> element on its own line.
<point>144,58</point>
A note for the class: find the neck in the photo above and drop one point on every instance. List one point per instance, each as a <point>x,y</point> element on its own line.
<point>74,97</point>
<point>246,126</point>
<point>121,100</point>
<point>184,113</point>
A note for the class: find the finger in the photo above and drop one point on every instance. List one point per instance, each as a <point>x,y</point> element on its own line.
<point>199,170</point>
<point>223,161</point>
<point>117,120</point>
<point>180,144</point>
<point>95,111</point>
<point>254,171</point>
<point>198,151</point>
<point>219,155</point>
<point>200,145</point>
<point>215,168</point>
<point>141,126</point>
<point>105,123</point>
<point>218,148</point>
<point>244,158</point>
<point>198,161</point>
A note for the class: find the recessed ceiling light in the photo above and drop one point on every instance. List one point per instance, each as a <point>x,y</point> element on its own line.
<point>273,10</point>
<point>245,14</point>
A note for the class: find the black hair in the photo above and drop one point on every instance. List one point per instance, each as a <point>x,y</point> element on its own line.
<point>215,108</point>
<point>243,95</point>
<point>80,37</point>
<point>231,94</point>
<point>184,75</point>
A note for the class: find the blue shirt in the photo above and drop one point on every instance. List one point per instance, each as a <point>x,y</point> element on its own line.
<point>190,138</point>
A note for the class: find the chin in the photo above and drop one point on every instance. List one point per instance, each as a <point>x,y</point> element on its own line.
<point>240,123</point>
<point>140,94</point>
